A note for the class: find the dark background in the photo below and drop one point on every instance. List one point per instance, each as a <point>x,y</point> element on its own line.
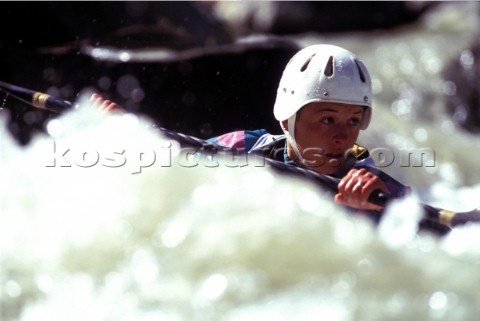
<point>204,81</point>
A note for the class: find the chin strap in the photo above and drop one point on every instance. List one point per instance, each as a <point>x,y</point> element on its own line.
<point>290,134</point>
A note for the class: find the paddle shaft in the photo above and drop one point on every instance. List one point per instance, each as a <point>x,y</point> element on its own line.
<point>36,99</point>
<point>442,216</point>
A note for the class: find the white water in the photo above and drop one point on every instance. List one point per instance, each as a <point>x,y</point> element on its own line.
<point>175,243</point>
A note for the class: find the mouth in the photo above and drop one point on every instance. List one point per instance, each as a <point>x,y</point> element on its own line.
<point>336,156</point>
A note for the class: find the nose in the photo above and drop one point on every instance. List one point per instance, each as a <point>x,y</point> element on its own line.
<point>340,135</point>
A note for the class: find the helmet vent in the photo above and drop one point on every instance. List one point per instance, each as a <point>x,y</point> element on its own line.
<point>305,65</point>
<point>360,71</point>
<point>329,67</point>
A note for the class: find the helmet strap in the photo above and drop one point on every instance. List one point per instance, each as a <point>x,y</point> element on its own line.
<point>290,134</point>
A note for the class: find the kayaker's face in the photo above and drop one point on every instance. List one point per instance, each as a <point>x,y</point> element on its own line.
<point>325,132</point>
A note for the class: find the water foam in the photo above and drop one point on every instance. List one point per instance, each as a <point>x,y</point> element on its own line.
<point>172,242</point>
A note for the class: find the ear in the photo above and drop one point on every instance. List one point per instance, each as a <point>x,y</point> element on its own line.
<point>285,124</point>
<point>366,117</point>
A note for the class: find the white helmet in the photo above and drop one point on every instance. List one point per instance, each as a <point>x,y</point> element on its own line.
<point>322,73</point>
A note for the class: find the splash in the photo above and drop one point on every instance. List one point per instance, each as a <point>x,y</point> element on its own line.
<point>172,242</point>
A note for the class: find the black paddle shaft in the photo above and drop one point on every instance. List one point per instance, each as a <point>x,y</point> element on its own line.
<point>435,215</point>
<point>36,99</point>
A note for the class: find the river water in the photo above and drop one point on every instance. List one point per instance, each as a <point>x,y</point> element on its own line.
<point>106,219</point>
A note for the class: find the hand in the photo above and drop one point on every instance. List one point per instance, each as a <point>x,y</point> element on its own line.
<point>355,188</point>
<point>104,104</point>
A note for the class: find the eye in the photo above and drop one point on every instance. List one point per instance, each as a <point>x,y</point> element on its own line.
<point>327,120</point>
<point>354,121</point>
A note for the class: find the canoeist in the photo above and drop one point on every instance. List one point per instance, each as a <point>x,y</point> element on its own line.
<point>323,101</point>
